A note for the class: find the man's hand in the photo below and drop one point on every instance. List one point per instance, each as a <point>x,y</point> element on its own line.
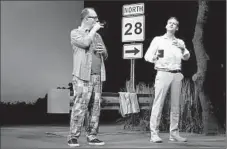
<point>179,45</point>
<point>99,48</point>
<point>97,26</point>
<point>155,57</point>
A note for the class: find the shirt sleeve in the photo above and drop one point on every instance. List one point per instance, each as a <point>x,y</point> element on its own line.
<point>80,40</point>
<point>151,51</point>
<point>185,54</point>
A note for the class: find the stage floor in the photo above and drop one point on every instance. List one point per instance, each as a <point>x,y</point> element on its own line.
<point>50,136</point>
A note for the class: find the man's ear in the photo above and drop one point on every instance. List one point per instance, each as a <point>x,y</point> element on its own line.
<point>85,19</point>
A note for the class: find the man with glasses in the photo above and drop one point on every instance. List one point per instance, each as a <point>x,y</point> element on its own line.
<point>89,53</point>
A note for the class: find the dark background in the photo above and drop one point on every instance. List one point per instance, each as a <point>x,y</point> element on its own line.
<point>156,15</point>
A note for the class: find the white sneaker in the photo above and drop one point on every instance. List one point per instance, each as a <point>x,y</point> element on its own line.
<point>177,138</point>
<point>155,139</point>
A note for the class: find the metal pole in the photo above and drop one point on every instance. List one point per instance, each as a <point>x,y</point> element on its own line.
<point>133,87</point>
<point>132,78</point>
<point>133,74</point>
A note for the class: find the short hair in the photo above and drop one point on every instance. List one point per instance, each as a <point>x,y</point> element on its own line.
<point>175,18</point>
<point>85,12</point>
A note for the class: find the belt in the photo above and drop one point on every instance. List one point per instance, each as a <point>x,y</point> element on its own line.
<point>167,70</point>
<point>174,71</point>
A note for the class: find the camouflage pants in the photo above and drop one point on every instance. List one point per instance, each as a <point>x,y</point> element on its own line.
<point>87,101</point>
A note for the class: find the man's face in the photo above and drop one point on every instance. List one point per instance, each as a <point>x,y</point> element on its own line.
<point>172,25</point>
<point>92,18</point>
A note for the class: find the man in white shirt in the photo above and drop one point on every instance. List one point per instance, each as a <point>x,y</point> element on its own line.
<point>166,52</point>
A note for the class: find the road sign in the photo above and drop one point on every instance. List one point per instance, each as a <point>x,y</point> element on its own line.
<point>133,9</point>
<point>133,51</point>
<point>133,28</point>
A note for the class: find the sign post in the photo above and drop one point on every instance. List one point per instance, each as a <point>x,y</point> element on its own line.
<point>133,30</point>
<point>132,74</point>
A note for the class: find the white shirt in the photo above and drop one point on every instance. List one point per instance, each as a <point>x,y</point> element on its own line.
<point>172,54</point>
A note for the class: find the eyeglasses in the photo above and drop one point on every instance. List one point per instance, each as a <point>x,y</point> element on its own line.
<point>93,17</point>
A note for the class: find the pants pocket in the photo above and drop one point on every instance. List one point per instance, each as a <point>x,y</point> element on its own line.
<point>178,77</point>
